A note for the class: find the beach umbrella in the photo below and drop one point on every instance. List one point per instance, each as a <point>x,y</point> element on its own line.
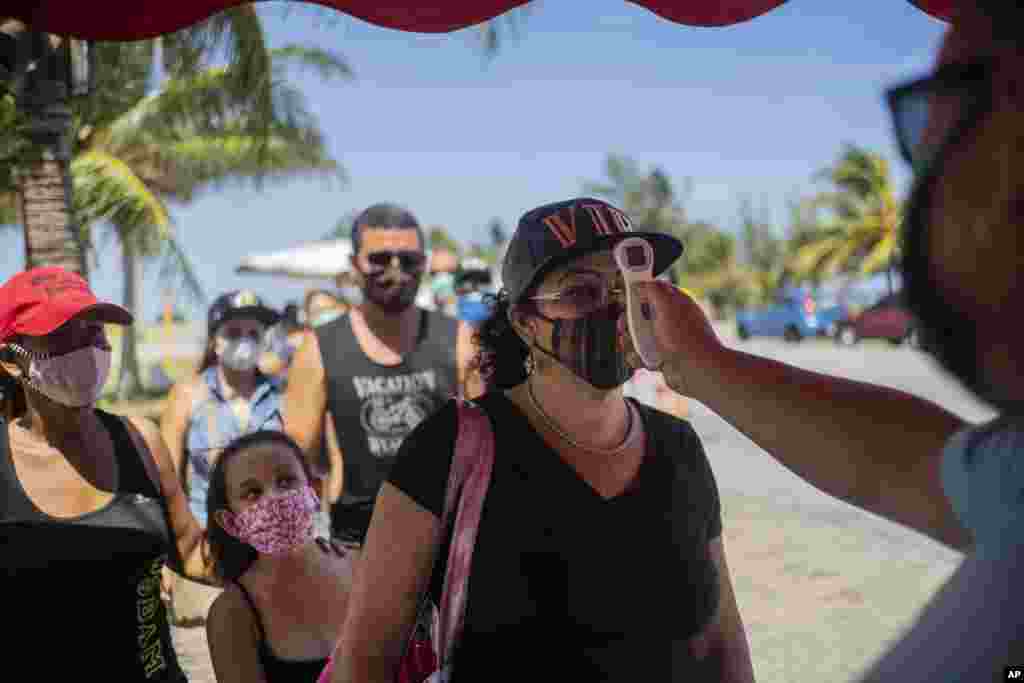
<point>320,260</point>
<point>136,19</point>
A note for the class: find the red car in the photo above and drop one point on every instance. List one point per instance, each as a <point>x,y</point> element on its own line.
<point>888,319</point>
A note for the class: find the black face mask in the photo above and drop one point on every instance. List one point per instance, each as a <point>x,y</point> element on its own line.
<point>946,332</point>
<point>591,347</point>
<point>381,289</point>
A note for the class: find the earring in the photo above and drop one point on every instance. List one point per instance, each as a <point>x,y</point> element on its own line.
<point>529,364</point>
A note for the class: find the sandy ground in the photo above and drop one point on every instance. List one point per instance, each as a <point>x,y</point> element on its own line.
<point>820,598</point>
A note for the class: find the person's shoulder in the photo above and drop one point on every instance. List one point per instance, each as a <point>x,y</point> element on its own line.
<point>185,389</point>
<point>230,609</point>
<point>433,432</point>
<point>666,425</point>
<point>442,419</point>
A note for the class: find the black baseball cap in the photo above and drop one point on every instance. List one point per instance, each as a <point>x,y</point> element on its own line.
<point>239,304</point>
<point>554,234</point>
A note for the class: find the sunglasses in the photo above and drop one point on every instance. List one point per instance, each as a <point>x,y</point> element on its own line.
<point>409,261</point>
<point>966,86</point>
<point>583,298</point>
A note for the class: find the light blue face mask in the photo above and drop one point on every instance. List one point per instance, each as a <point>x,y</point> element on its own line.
<point>325,317</point>
<point>983,477</point>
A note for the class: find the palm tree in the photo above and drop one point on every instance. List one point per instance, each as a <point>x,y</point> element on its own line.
<point>172,144</point>
<point>343,228</point>
<point>862,228</point>
<point>649,199</point>
<point>37,76</point>
<point>34,72</point>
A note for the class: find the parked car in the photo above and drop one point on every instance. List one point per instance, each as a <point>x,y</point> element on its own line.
<point>793,315</point>
<point>888,319</point>
<point>830,309</point>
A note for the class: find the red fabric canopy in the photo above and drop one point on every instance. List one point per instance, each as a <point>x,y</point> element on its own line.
<point>136,19</point>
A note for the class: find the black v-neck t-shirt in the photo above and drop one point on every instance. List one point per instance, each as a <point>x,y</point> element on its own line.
<point>565,583</point>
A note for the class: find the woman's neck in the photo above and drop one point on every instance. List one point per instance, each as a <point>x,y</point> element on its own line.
<point>591,417</point>
<point>236,382</point>
<point>274,570</point>
<point>53,422</point>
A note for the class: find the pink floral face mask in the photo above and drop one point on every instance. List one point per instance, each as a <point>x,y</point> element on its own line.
<point>275,525</point>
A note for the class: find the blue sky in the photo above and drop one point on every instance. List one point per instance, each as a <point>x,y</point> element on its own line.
<point>753,109</point>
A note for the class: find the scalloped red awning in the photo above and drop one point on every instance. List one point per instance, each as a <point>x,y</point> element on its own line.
<point>136,19</point>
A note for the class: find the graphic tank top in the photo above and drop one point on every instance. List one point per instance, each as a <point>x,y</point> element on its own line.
<point>375,406</point>
<point>86,590</point>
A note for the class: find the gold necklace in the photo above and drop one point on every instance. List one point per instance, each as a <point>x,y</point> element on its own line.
<point>593,449</point>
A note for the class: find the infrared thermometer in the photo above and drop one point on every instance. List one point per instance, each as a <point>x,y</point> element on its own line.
<point>635,258</point>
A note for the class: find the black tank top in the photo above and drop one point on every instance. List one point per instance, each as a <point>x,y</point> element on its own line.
<point>276,669</point>
<point>376,406</point>
<point>82,595</point>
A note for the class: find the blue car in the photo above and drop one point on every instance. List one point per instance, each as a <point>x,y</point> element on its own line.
<point>793,315</point>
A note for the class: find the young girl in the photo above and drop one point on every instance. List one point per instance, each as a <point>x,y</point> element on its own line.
<point>286,593</point>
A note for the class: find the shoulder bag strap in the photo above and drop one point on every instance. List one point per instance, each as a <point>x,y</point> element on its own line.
<point>467,487</point>
<point>474,435</point>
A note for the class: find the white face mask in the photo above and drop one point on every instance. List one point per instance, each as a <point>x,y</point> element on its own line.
<point>239,354</point>
<point>73,379</point>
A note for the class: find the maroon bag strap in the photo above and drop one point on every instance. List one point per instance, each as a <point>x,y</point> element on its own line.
<point>468,481</point>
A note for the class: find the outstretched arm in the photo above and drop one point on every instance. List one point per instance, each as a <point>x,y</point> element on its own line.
<point>872,446</point>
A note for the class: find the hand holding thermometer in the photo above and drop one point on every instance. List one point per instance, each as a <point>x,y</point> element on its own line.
<point>635,259</point>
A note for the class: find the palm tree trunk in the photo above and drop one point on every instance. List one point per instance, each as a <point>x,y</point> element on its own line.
<point>130,381</point>
<point>51,237</point>
<point>44,185</point>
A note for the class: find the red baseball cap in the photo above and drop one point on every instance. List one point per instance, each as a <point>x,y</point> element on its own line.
<point>36,302</point>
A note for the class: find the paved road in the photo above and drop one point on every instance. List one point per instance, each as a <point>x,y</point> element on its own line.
<point>742,467</point>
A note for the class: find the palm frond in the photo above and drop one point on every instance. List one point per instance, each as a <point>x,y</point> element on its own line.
<point>183,168</point>
<point>809,258</point>
<point>188,135</point>
<point>8,208</point>
<point>175,265</point>
<point>326,64</point>
<point>842,257</point>
<point>493,35</point>
<point>234,36</point>
<point>122,73</point>
<point>881,255</point>
<point>601,190</point>
<point>106,188</point>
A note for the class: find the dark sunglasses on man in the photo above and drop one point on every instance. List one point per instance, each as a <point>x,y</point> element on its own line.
<point>409,261</point>
<point>965,87</point>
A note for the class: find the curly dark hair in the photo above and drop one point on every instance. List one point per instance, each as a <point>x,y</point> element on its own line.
<point>502,353</point>
<point>231,557</point>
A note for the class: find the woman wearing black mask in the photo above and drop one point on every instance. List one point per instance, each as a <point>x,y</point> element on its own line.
<point>599,555</point>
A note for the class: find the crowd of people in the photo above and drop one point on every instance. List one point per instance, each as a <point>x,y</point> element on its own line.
<point>295,495</point>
